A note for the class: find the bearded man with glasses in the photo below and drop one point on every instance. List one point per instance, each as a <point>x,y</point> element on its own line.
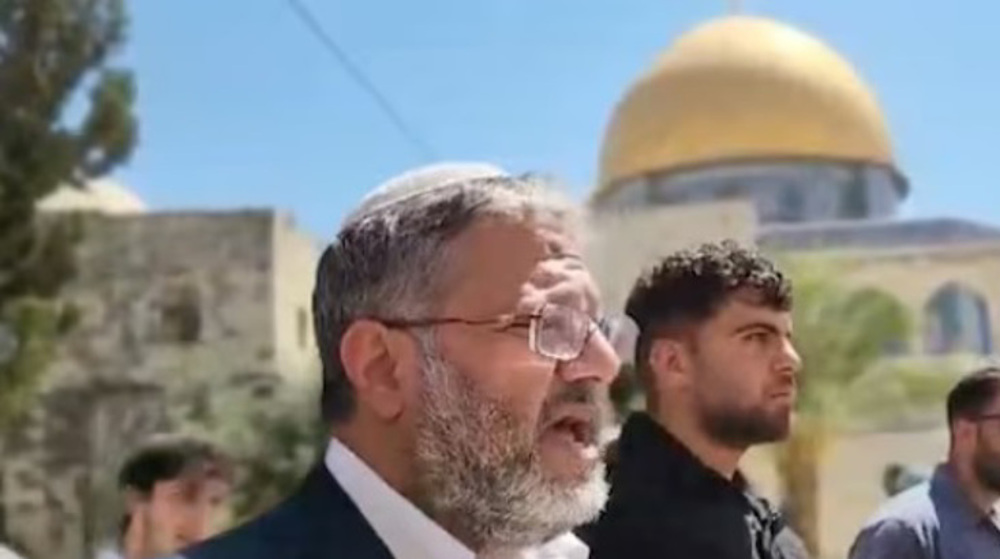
<point>954,514</point>
<point>466,369</point>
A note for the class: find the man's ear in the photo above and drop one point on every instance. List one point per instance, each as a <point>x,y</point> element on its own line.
<point>669,362</point>
<point>375,359</point>
<point>963,433</point>
<point>135,501</point>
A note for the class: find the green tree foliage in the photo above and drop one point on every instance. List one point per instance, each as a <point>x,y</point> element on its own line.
<point>270,427</point>
<point>34,327</point>
<point>65,117</point>
<point>282,438</point>
<point>851,341</point>
<point>625,390</point>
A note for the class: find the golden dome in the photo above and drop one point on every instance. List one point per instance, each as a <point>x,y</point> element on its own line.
<point>743,88</point>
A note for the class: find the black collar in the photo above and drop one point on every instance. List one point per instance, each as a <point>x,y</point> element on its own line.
<point>648,456</point>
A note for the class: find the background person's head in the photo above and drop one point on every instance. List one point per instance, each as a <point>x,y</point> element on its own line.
<point>974,423</point>
<point>456,326</point>
<point>176,491</point>
<point>714,351</point>
<point>897,478</point>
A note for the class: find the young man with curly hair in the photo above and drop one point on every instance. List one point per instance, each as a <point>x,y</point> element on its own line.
<point>715,357</point>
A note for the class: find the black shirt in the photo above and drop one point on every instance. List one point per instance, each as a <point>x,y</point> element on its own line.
<point>667,504</point>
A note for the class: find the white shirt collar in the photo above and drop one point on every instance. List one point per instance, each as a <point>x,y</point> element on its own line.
<point>107,552</point>
<point>405,529</point>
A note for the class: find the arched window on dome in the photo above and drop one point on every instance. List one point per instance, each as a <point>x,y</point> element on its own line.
<point>854,203</point>
<point>957,320</point>
<point>791,203</point>
<point>732,190</point>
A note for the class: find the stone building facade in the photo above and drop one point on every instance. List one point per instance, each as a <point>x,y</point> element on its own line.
<point>178,306</point>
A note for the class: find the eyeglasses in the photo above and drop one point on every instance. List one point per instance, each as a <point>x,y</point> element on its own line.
<point>554,331</point>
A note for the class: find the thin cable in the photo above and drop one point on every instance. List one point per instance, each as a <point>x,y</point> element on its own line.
<point>310,21</point>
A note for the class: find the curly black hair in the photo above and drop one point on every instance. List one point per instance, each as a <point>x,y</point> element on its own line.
<point>688,287</point>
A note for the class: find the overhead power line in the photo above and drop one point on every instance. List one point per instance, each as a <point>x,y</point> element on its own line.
<point>308,19</point>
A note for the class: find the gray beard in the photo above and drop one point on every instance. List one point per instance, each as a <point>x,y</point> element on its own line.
<point>479,473</point>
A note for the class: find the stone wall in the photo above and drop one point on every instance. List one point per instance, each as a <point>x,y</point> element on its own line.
<point>626,242</point>
<point>295,258</point>
<point>59,465</point>
<point>173,308</point>
<point>168,294</point>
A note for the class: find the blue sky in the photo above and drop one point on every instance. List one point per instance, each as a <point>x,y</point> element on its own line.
<point>241,107</point>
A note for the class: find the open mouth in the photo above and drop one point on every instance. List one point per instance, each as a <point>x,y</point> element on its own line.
<point>577,428</point>
<point>783,395</point>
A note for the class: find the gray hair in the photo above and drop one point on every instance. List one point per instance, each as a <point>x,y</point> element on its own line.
<point>388,259</point>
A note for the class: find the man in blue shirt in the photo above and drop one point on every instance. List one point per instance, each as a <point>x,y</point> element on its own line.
<point>954,514</point>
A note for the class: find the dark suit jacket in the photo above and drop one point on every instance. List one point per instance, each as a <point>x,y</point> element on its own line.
<point>318,522</point>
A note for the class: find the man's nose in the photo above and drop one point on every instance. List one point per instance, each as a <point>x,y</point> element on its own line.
<point>791,361</point>
<point>597,362</point>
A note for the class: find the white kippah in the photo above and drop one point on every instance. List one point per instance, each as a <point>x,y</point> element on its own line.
<point>420,180</point>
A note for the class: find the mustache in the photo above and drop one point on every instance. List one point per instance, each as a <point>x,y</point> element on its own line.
<point>591,395</point>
